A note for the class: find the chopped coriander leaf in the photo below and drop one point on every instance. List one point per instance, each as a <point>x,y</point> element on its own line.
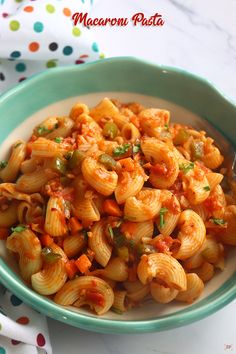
<point>119,223</point>
<point>43,130</point>
<point>15,146</point>
<point>186,167</point>
<point>218,221</point>
<point>166,126</point>
<point>111,231</point>
<point>207,188</point>
<point>85,234</point>
<point>19,228</point>
<point>136,148</point>
<point>58,140</point>
<point>68,155</point>
<point>3,164</point>
<point>162,213</point>
<point>121,150</point>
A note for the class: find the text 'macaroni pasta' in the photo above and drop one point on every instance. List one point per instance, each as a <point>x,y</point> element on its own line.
<point>112,205</point>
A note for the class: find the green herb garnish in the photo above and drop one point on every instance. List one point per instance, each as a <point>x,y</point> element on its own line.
<point>166,126</point>
<point>43,130</point>
<point>3,164</point>
<point>162,213</point>
<point>121,150</point>
<point>85,234</point>
<point>218,221</point>
<point>186,167</point>
<point>110,230</point>
<point>68,155</point>
<point>136,148</point>
<point>19,228</point>
<point>15,146</point>
<point>207,188</point>
<point>58,140</point>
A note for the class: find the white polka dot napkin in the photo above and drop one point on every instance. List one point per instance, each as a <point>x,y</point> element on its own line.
<point>22,330</point>
<point>40,34</point>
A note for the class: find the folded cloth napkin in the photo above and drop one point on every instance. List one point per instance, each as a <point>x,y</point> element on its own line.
<point>36,35</point>
<point>40,34</point>
<point>22,330</point>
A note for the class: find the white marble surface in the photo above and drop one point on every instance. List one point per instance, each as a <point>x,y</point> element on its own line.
<point>199,36</point>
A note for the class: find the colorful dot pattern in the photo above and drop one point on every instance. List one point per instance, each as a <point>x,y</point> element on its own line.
<point>26,326</point>
<point>42,31</point>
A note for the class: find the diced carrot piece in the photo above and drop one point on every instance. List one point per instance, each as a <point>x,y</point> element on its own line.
<point>4,232</point>
<point>46,240</point>
<point>128,227</point>
<point>71,268</point>
<point>127,164</point>
<point>161,169</point>
<point>83,263</point>
<point>75,225</point>
<point>111,207</point>
<point>147,165</point>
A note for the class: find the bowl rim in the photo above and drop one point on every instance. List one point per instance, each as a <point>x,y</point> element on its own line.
<point>99,324</point>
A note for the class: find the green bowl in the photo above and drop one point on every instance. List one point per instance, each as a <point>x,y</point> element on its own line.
<point>187,97</point>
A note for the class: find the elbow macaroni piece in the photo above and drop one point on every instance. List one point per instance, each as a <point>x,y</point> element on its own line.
<point>99,243</point>
<point>192,234</point>
<point>163,267</point>
<point>194,289</point>
<point>150,218</point>
<point>28,246</point>
<point>161,293</point>
<point>144,206</point>
<point>55,223</point>
<point>81,290</point>
<point>96,175</point>
<point>18,154</point>
<point>165,168</point>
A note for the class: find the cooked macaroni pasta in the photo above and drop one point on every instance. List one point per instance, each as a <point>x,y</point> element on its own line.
<point>111,205</point>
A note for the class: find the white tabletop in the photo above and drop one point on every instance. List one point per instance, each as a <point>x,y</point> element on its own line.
<point>199,36</point>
